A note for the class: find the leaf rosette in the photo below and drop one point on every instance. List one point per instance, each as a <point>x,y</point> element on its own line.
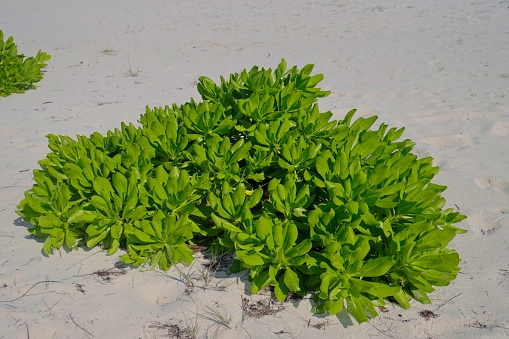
<point>160,241</point>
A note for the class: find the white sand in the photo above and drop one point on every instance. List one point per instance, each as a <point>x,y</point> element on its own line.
<point>439,68</point>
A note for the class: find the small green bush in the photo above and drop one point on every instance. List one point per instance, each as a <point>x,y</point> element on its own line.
<point>307,204</point>
<point>17,72</point>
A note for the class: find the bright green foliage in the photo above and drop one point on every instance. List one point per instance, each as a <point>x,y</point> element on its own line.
<point>161,241</point>
<point>17,72</point>
<point>336,208</point>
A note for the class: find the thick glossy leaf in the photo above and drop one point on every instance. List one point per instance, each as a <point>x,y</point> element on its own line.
<point>103,187</point>
<point>299,250</point>
<point>291,280</point>
<point>376,267</point>
<point>261,281</point>
<point>263,227</point>
<point>281,290</point>
<point>421,296</point>
<point>95,236</point>
<point>82,216</point>
<point>220,222</point>
<point>252,258</point>
<point>402,299</point>
<point>334,306</point>
<point>360,308</point>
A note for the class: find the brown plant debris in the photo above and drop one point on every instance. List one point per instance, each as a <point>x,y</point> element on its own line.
<point>173,331</point>
<point>80,288</point>
<point>282,333</point>
<point>260,308</point>
<point>318,326</point>
<point>427,314</point>
<point>106,275</point>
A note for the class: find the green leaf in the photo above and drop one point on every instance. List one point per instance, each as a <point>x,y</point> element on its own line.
<point>291,280</point>
<point>120,184</point>
<point>263,227</point>
<point>251,258</point>
<point>82,216</point>
<point>401,298</point>
<point>383,291</point>
<point>334,306</point>
<point>299,250</point>
<point>95,236</point>
<point>100,204</point>
<point>376,267</point>
<point>324,285</point>
<point>254,196</point>
<point>220,222</point>
<point>360,308</point>
<point>47,245</point>
<point>143,237</point>
<point>436,238</point>
<point>421,296</point>
<point>103,187</point>
<point>261,281</point>
<point>281,290</point>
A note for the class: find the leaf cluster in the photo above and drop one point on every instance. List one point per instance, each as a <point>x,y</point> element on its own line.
<point>308,204</point>
<point>17,72</point>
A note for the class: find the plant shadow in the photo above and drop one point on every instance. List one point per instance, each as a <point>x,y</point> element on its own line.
<point>343,317</point>
<point>223,271</point>
<point>20,222</point>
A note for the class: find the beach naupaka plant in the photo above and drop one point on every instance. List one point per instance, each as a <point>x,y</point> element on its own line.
<point>341,209</point>
<point>18,73</point>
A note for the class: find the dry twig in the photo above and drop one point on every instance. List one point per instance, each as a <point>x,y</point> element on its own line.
<point>260,308</point>
<point>75,323</point>
<point>26,293</point>
<point>318,326</point>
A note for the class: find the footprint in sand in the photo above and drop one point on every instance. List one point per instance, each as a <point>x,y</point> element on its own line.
<point>492,185</point>
<point>501,129</point>
<point>488,221</point>
<point>456,142</point>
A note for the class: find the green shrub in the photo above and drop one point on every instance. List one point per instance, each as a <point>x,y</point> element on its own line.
<point>336,208</point>
<point>17,72</point>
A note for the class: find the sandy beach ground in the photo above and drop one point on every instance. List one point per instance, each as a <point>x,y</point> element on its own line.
<point>439,68</point>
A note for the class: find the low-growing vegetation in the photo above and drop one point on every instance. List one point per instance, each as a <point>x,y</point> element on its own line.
<point>340,209</point>
<point>17,72</point>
